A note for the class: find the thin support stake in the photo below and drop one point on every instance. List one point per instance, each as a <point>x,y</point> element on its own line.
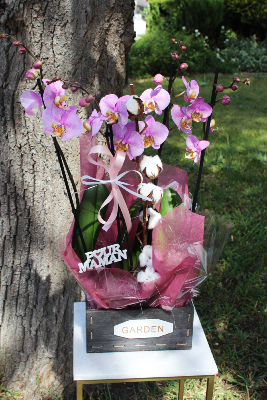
<point>212,103</point>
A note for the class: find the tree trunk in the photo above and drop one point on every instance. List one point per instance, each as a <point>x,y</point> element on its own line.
<point>79,40</point>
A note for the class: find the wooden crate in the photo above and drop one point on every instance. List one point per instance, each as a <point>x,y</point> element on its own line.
<point>100,325</point>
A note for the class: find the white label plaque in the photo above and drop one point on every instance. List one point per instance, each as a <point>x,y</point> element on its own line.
<point>143,328</point>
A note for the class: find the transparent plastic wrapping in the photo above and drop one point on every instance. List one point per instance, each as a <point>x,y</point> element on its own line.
<point>177,243</point>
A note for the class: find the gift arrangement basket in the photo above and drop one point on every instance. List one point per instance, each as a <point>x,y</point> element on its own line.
<point>136,245</point>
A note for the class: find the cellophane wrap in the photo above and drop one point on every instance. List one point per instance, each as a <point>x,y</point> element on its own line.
<point>177,242</point>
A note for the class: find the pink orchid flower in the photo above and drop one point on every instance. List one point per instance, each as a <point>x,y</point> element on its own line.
<point>54,94</point>
<point>32,102</point>
<point>62,122</point>
<point>194,147</point>
<point>93,124</point>
<point>198,110</point>
<point>192,90</point>
<point>155,133</point>
<point>155,100</point>
<point>128,140</point>
<point>181,119</point>
<point>113,109</point>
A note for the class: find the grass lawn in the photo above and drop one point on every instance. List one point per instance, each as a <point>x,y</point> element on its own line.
<point>232,304</point>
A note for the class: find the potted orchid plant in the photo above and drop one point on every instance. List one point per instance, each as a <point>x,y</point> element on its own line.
<point>135,238</point>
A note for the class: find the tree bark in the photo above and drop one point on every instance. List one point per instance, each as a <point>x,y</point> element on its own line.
<point>79,40</point>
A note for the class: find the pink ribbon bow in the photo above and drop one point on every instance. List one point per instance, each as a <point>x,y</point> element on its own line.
<point>116,164</point>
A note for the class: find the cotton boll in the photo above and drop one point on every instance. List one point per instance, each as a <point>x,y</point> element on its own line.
<point>143,259</point>
<point>149,263</point>
<point>157,194</point>
<point>141,277</point>
<point>147,250</point>
<point>151,166</point>
<point>150,190</point>
<point>132,105</point>
<point>154,217</point>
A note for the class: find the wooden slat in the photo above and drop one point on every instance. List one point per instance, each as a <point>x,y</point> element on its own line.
<point>100,329</point>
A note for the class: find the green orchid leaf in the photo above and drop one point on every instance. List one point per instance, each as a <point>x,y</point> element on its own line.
<point>90,226</point>
<point>170,200</point>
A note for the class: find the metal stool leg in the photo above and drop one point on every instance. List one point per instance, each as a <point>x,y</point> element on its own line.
<point>181,389</point>
<point>210,385</point>
<point>79,390</point>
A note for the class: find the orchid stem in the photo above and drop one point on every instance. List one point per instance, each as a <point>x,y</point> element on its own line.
<point>212,104</point>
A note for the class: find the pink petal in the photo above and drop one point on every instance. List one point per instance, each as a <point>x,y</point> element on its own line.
<point>30,100</point>
<point>192,141</point>
<point>146,95</point>
<point>72,123</point>
<point>108,103</point>
<point>184,80</point>
<point>203,144</point>
<point>162,98</point>
<point>177,115</point>
<point>123,113</point>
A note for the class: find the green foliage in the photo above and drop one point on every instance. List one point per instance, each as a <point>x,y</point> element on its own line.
<point>247,17</point>
<point>170,200</point>
<point>151,54</point>
<point>91,202</point>
<point>172,15</point>
<point>244,54</point>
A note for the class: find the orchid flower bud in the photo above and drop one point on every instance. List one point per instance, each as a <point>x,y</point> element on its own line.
<point>158,79</point>
<point>16,43</point>
<point>90,98</point>
<point>236,79</point>
<point>3,35</point>
<point>183,48</point>
<point>37,64</point>
<point>32,74</point>
<point>219,88</point>
<point>247,82</point>
<point>151,166</point>
<point>22,51</point>
<point>234,87</point>
<point>226,100</point>
<point>174,56</point>
<point>84,103</point>
<point>183,66</point>
<point>173,40</point>
<point>74,89</point>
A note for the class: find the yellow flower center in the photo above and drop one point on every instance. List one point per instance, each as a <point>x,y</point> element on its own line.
<point>148,140</point>
<point>87,126</point>
<point>112,117</point>
<point>58,129</point>
<point>59,100</point>
<point>191,155</point>
<point>212,123</point>
<point>196,116</point>
<point>150,105</point>
<point>121,146</point>
<point>192,94</point>
<point>186,123</point>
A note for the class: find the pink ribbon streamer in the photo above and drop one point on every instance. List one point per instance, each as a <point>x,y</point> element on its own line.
<point>116,164</point>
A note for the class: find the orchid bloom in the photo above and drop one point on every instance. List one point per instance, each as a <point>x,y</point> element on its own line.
<point>154,134</point>
<point>181,119</point>
<point>128,140</point>
<point>198,110</point>
<point>113,109</point>
<point>192,90</point>
<point>194,147</point>
<point>62,122</point>
<point>32,102</point>
<point>54,94</point>
<point>155,100</point>
<point>93,124</point>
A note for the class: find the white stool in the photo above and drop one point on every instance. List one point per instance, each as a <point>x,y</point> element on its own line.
<point>139,366</point>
